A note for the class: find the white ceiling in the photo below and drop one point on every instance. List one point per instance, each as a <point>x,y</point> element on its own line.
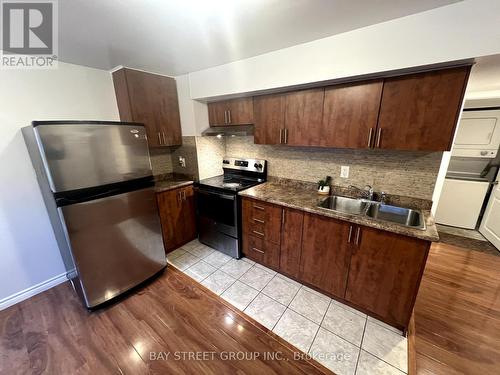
<point>173,37</point>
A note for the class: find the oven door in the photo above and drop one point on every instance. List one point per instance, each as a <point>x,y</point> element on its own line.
<point>218,212</point>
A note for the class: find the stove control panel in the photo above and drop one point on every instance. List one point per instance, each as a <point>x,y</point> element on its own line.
<point>241,163</point>
<point>251,165</point>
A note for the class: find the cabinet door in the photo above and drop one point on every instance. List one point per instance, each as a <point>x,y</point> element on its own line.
<point>135,97</point>
<point>303,117</point>
<point>217,113</point>
<point>385,273</point>
<point>350,114</point>
<point>188,225</point>
<point>150,99</point>
<point>269,119</point>
<point>169,124</point>
<point>325,253</point>
<point>240,111</point>
<point>291,242</point>
<point>169,207</point>
<point>420,111</point>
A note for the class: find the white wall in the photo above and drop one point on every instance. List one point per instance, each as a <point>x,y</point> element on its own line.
<point>194,114</point>
<point>463,30</point>
<point>28,251</point>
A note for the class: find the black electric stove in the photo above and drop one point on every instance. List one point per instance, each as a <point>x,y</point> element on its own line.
<point>219,206</point>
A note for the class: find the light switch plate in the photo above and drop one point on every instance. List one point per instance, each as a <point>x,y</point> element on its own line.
<point>344,171</point>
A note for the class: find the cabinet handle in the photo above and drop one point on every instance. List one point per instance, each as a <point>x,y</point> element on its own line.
<point>258,233</point>
<point>350,234</point>
<point>258,207</point>
<point>225,117</point>
<point>164,138</point>
<point>281,136</point>
<point>286,136</point>
<point>229,116</point>
<point>283,217</point>
<point>159,138</point>
<point>257,250</point>
<point>379,135</point>
<point>370,138</point>
<point>259,221</point>
<point>183,192</point>
<point>179,197</point>
<point>356,241</point>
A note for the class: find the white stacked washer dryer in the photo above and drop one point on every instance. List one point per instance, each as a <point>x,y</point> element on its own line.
<point>469,179</point>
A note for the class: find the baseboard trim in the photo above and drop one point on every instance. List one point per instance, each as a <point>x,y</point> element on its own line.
<point>33,290</point>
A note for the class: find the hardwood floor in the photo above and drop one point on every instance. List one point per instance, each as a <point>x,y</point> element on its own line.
<point>52,333</point>
<point>457,313</point>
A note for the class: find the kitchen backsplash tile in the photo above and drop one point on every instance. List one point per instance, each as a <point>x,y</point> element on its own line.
<point>210,151</point>
<point>396,172</point>
<point>189,153</point>
<point>161,160</point>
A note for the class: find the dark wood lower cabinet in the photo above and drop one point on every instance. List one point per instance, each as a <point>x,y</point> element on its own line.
<point>385,274</point>
<point>291,242</point>
<point>178,217</point>
<point>261,251</point>
<point>324,261</point>
<point>376,271</point>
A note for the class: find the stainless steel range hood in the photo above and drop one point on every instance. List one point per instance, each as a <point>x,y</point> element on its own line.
<point>228,131</point>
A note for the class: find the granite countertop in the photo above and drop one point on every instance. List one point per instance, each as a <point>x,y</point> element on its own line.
<point>170,182</point>
<point>302,197</point>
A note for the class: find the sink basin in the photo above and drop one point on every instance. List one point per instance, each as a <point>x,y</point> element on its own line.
<point>375,210</point>
<point>398,215</point>
<point>344,204</point>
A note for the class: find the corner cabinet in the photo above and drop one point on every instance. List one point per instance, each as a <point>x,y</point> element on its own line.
<point>375,271</point>
<point>178,216</point>
<point>231,112</point>
<point>150,99</point>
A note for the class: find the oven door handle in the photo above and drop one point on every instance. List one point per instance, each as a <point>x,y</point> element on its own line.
<point>223,196</point>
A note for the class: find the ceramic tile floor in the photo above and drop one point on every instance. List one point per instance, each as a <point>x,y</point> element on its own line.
<point>341,338</point>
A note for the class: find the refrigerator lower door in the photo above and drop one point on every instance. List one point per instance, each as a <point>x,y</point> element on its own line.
<point>116,243</point>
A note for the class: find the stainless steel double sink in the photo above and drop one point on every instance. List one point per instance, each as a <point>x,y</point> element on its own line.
<point>375,210</point>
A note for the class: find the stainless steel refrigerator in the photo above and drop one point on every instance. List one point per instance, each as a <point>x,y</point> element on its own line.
<point>97,184</point>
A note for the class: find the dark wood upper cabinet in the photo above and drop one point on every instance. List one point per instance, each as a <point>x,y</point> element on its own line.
<point>291,242</point>
<point>420,111</point>
<point>350,114</point>
<point>324,261</point>
<point>178,216</point>
<point>385,274</point>
<point>303,117</point>
<point>150,99</point>
<point>231,112</point>
<point>269,118</point>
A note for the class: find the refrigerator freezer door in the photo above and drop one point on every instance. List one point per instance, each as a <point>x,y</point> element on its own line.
<point>84,155</point>
<point>116,243</point>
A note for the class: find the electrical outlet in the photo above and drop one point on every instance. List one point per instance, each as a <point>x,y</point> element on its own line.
<point>182,162</point>
<point>344,171</point>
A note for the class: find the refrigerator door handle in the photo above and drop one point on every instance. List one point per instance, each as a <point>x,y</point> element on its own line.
<point>67,201</point>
